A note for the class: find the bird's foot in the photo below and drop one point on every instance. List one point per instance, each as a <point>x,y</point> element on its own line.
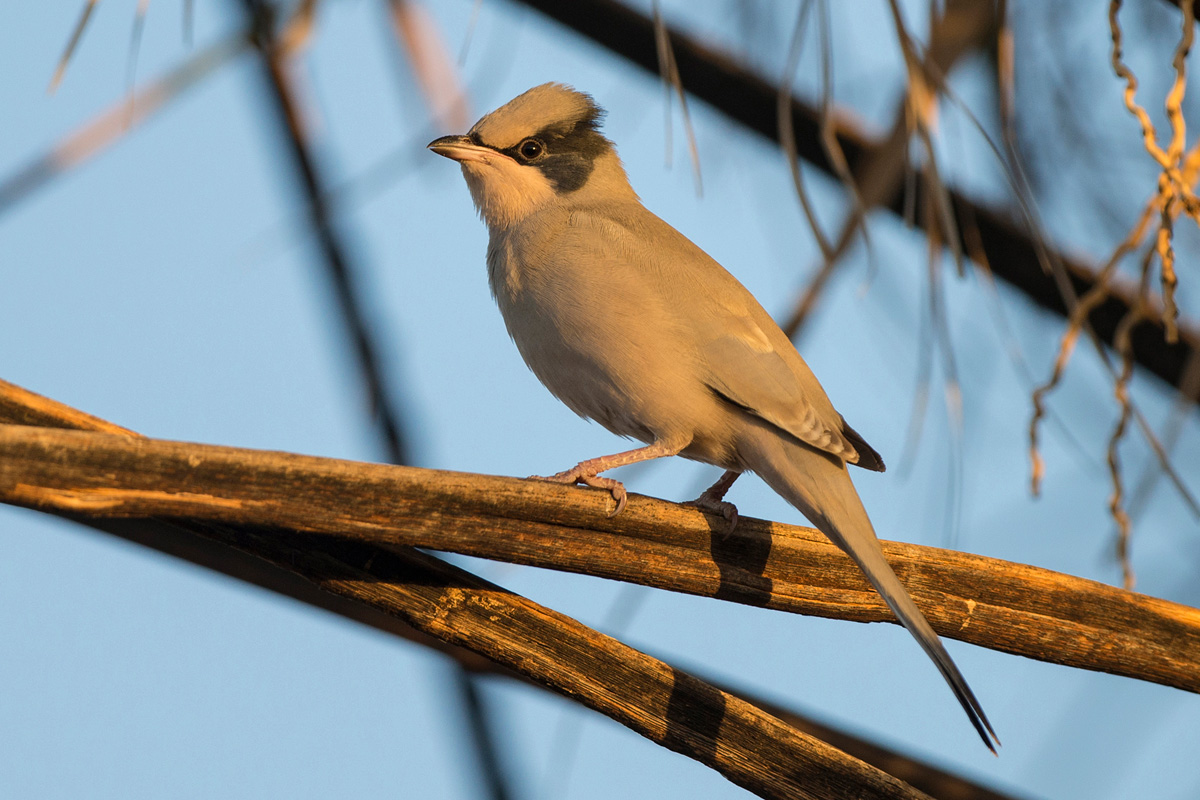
<point>580,474</point>
<point>713,500</point>
<point>588,472</point>
<point>713,504</point>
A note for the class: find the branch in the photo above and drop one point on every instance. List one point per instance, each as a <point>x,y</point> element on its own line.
<point>929,779</point>
<point>673,709</point>
<point>110,125</point>
<point>205,546</point>
<point>392,591</point>
<point>1000,605</point>
<point>339,265</point>
<point>745,97</point>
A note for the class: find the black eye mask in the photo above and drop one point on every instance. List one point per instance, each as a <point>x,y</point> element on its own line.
<point>568,155</point>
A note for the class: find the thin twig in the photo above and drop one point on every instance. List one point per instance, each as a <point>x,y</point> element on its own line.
<point>672,82</point>
<point>829,140</point>
<point>60,69</point>
<point>135,45</point>
<point>1180,413</point>
<point>787,135</point>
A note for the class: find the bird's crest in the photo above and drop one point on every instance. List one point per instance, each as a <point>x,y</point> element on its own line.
<point>551,108</point>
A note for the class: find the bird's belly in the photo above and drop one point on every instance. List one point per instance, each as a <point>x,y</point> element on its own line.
<point>614,368</point>
<point>593,392</point>
<point>588,376</point>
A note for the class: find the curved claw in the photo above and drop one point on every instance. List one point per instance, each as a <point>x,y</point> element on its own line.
<point>572,476</point>
<point>615,488</point>
<point>588,472</point>
<point>723,508</point>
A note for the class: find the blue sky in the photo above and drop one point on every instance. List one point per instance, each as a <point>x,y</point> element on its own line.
<point>168,286</point>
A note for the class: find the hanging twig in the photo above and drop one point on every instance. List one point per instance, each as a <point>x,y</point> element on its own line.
<point>333,250</point>
<point>672,82</point>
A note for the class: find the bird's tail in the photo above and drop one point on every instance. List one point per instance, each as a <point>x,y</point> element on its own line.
<point>820,487</point>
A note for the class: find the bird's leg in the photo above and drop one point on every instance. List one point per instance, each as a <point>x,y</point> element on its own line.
<point>587,472</point>
<point>713,500</point>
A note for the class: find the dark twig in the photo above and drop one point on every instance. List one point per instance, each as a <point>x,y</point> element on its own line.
<point>477,714</point>
<point>329,239</point>
<point>261,16</point>
<point>76,35</point>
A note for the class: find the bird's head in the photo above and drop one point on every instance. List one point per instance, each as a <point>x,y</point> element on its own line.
<point>541,148</point>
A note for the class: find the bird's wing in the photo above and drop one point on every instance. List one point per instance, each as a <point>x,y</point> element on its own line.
<point>752,363</point>
<point>747,368</point>
<point>746,359</point>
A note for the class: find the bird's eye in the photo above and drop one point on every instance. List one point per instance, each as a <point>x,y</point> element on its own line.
<point>530,149</point>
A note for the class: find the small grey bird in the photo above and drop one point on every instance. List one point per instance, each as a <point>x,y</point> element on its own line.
<point>631,325</point>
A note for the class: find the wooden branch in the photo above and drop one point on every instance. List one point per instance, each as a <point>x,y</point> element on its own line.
<point>453,609</point>
<point>19,406</point>
<point>182,541</point>
<point>996,604</point>
<point>206,545</point>
<point>671,708</point>
<point>929,779</point>
<point>745,97</point>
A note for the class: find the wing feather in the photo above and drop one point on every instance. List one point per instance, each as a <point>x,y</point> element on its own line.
<point>749,360</point>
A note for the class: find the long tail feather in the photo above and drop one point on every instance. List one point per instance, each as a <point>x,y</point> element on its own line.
<point>820,487</point>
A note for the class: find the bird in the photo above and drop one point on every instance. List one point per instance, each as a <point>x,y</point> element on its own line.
<point>630,324</point>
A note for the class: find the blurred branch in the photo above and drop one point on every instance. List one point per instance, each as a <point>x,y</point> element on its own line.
<point>672,83</point>
<point>417,39</point>
<point>452,609</point>
<point>274,54</point>
<point>1008,607</point>
<point>135,46</point>
<point>117,121</point>
<point>329,238</point>
<point>747,98</point>
<point>1178,4</point>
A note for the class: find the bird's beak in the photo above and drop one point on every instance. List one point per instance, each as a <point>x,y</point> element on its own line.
<point>460,148</point>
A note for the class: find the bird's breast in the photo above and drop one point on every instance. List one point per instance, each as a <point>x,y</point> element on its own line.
<point>600,338</point>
